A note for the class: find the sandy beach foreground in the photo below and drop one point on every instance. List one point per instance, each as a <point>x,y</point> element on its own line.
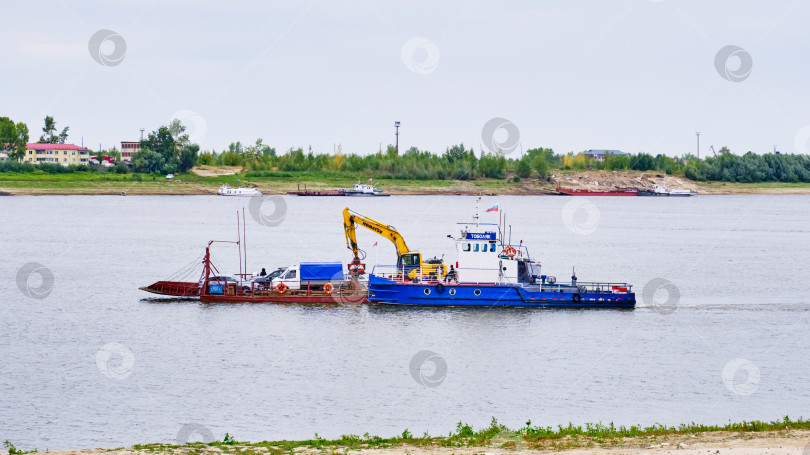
<point>796,442</point>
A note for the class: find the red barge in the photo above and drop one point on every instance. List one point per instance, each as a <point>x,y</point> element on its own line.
<point>247,291</point>
<point>307,192</point>
<point>212,287</point>
<point>614,192</point>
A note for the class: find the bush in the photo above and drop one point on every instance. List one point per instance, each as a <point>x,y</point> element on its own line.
<point>642,162</point>
<point>523,168</point>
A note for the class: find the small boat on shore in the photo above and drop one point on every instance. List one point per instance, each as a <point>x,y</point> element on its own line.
<point>661,190</point>
<point>226,190</point>
<point>363,189</point>
<point>580,192</point>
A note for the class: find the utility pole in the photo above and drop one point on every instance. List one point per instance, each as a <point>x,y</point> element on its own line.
<point>141,134</point>
<point>698,144</point>
<point>396,125</point>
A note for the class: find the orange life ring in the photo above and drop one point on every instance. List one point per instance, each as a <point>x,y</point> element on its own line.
<point>281,288</point>
<point>328,288</point>
<point>510,251</point>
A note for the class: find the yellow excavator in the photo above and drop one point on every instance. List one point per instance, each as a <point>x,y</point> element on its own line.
<point>408,262</point>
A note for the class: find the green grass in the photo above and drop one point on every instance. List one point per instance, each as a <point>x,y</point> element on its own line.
<point>496,435</point>
<point>755,185</point>
<point>98,182</point>
<point>282,181</point>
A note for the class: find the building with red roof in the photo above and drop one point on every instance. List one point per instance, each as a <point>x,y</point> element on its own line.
<point>64,154</point>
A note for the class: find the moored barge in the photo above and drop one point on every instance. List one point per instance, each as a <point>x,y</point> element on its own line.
<point>586,192</point>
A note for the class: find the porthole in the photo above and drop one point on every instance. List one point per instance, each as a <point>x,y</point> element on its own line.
<point>452,292</point>
<point>477,292</point>
<point>427,291</point>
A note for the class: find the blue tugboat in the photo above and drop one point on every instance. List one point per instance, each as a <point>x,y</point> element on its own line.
<point>490,273</point>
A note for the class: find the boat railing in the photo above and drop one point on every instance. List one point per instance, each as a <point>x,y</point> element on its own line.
<point>588,286</point>
<point>306,288</point>
<point>407,273</point>
<point>521,251</point>
<point>414,274</point>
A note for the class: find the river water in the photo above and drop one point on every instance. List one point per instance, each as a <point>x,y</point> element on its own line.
<point>88,360</point>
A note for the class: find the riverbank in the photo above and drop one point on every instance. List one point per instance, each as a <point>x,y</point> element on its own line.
<point>788,442</point>
<point>783,436</point>
<point>207,181</point>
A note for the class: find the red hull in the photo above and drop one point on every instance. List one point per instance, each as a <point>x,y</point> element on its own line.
<point>279,298</point>
<point>576,192</point>
<point>316,193</point>
<point>174,288</point>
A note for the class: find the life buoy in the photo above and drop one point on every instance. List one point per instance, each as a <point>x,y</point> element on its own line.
<point>439,288</point>
<point>510,251</point>
<point>281,288</point>
<point>328,288</point>
<point>576,298</point>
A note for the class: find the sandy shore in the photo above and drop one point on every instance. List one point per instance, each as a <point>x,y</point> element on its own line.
<point>594,180</point>
<point>794,442</point>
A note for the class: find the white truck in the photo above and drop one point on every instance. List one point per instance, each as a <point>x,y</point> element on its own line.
<point>311,274</point>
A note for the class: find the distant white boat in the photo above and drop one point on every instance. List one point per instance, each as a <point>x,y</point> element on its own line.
<point>661,190</point>
<point>226,190</point>
<point>362,189</point>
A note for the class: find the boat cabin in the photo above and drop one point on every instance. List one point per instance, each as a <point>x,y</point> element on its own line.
<point>484,258</point>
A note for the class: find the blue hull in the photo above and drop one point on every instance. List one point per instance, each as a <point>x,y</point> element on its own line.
<point>386,291</point>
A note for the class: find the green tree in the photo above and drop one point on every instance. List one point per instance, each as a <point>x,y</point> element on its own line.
<point>148,161</point>
<point>188,157</point>
<point>540,165</point>
<point>523,168</point>
<point>642,162</point>
<point>161,141</point>
<point>13,138</point>
<point>177,131</point>
<point>49,135</point>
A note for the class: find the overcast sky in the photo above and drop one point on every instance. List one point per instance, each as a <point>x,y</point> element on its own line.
<point>634,75</point>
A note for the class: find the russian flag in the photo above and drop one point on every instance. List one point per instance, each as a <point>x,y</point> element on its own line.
<point>494,208</point>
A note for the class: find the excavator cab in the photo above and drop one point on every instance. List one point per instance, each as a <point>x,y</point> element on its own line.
<point>409,263</point>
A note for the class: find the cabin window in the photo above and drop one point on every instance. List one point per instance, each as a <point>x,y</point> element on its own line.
<point>484,248</point>
<point>491,247</point>
<point>475,248</point>
<point>465,247</point>
<point>292,274</point>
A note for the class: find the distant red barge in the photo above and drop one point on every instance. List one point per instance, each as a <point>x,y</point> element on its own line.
<point>307,192</point>
<point>615,192</point>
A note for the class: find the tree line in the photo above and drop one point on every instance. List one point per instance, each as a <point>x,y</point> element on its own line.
<point>168,150</point>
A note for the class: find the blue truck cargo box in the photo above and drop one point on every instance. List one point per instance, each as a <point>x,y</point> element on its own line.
<point>320,271</point>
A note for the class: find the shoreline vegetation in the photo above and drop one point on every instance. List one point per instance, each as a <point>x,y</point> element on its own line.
<point>205,180</point>
<point>457,170</point>
<point>786,435</point>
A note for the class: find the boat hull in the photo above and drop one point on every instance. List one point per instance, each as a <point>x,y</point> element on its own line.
<point>389,292</point>
<point>311,299</point>
<point>567,192</point>
<point>656,194</point>
<point>174,288</point>
<point>361,194</point>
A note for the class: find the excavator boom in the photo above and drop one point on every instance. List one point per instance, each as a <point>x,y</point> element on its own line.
<point>409,261</point>
<point>351,219</point>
